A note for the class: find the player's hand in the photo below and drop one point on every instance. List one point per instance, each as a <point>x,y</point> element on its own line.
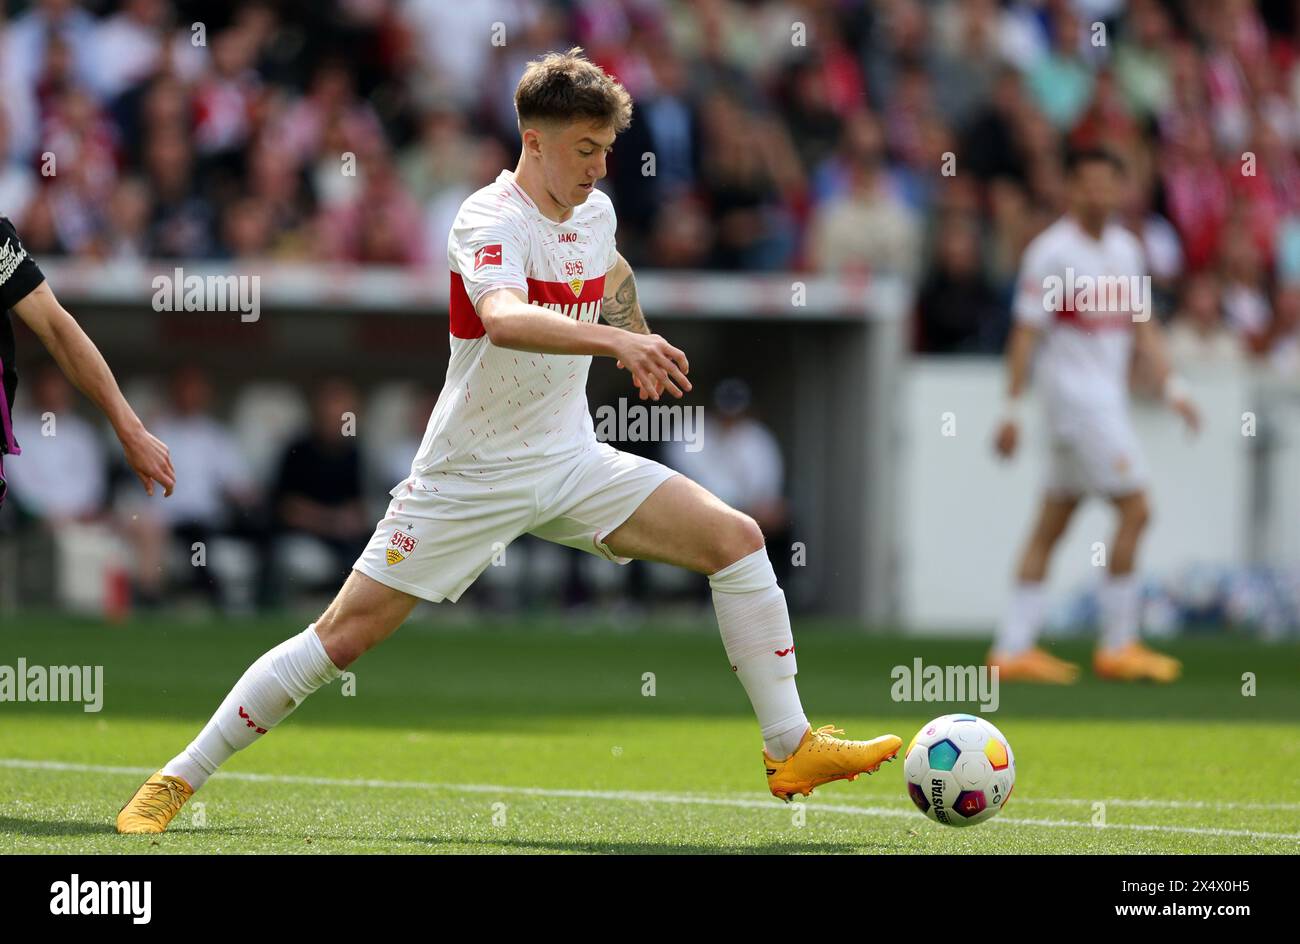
<point>1007,439</point>
<point>655,366</point>
<point>1188,411</point>
<point>149,460</point>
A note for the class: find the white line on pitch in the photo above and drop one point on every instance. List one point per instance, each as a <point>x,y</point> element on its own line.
<point>635,796</point>
<point>1163,804</point>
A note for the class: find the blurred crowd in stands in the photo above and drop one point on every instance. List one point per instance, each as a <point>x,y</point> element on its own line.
<point>920,136</point>
<point>278,494</point>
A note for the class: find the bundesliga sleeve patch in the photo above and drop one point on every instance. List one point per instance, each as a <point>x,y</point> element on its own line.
<point>488,256</point>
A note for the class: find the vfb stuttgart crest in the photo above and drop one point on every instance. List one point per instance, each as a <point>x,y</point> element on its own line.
<point>573,272</point>
<point>400,546</point>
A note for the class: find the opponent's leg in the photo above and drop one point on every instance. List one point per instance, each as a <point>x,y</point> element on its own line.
<point>364,613</point>
<point>1015,651</point>
<point>1119,654</point>
<point>684,524</point>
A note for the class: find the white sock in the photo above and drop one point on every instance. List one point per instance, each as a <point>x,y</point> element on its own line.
<point>755,626</point>
<point>265,695</point>
<point>1119,611</point>
<point>1023,619</point>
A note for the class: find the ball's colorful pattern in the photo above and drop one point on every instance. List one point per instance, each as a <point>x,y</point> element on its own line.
<point>960,770</point>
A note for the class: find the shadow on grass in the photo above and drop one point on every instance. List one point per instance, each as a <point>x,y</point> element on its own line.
<point>17,826</point>
<point>278,843</point>
<point>526,846</point>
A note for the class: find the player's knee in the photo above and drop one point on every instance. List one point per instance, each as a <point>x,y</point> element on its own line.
<point>1051,528</point>
<point>345,638</point>
<point>1136,515</point>
<point>1048,534</point>
<point>741,537</point>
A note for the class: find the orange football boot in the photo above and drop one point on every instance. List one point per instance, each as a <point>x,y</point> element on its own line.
<point>152,807</point>
<point>821,757</point>
<point>1135,663</point>
<point>1033,665</point>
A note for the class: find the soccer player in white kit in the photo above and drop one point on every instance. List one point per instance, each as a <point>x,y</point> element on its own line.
<point>510,449</point>
<point>1084,302</point>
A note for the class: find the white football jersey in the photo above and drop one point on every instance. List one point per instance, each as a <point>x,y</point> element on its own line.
<point>502,409</point>
<point>1084,294</point>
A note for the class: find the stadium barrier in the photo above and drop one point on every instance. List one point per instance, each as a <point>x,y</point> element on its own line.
<point>822,354</point>
<point>1223,500</point>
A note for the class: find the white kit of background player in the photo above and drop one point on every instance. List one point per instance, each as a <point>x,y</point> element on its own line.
<point>1083,301</point>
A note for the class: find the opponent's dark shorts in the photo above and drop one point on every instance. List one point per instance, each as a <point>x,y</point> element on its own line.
<point>8,445</point>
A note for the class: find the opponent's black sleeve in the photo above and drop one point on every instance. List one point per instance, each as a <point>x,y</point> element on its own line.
<point>19,274</point>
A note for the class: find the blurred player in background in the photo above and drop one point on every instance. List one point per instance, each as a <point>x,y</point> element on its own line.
<point>25,292</point>
<point>1082,300</point>
<point>511,449</point>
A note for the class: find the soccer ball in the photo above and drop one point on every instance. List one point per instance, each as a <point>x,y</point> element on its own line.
<point>959,770</point>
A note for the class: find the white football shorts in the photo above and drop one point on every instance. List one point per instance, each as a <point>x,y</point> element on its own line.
<point>443,530</point>
<point>1096,452</point>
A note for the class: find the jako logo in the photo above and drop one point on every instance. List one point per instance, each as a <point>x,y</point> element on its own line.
<point>103,898</point>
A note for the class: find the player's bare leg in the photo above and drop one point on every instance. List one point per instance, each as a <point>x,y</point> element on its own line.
<point>1134,516</point>
<point>684,524</point>
<point>1015,651</point>
<point>1054,517</point>
<point>363,614</point>
<point>1119,654</point>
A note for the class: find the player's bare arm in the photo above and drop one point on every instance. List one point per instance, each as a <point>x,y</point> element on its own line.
<point>1020,351</point>
<point>510,321</point>
<point>85,367</point>
<point>620,306</point>
<point>1149,342</point>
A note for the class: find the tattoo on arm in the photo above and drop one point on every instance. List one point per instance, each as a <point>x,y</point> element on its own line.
<point>624,310</point>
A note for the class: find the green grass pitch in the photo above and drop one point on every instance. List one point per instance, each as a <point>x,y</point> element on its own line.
<point>533,736</point>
